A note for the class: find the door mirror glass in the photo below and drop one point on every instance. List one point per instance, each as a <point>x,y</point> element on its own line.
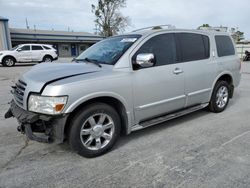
<point>19,50</point>
<point>145,60</point>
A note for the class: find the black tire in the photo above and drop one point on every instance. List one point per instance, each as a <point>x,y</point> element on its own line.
<point>79,121</point>
<point>8,62</point>
<point>47,59</point>
<point>213,105</point>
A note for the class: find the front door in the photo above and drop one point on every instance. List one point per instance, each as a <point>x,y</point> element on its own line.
<point>24,54</point>
<point>159,89</point>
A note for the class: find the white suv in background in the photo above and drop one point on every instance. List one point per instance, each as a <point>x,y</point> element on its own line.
<point>28,53</point>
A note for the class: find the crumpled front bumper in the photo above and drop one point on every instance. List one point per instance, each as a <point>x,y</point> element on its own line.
<point>38,127</point>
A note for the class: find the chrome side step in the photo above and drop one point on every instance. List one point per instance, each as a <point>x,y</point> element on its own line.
<point>167,117</point>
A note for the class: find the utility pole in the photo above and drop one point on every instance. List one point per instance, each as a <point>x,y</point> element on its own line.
<point>27,24</point>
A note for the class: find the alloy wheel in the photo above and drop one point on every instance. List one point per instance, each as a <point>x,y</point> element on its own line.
<point>97,131</point>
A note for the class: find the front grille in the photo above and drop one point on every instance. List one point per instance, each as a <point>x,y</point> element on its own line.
<point>19,90</point>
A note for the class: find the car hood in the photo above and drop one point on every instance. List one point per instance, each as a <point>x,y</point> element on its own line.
<point>5,51</point>
<point>47,73</point>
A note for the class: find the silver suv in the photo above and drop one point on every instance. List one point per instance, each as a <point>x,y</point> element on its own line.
<point>123,84</point>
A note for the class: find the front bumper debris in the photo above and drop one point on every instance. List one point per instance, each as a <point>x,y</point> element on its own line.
<point>38,127</point>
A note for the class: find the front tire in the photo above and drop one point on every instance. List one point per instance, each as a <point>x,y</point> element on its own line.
<point>220,97</point>
<point>8,62</point>
<point>94,130</point>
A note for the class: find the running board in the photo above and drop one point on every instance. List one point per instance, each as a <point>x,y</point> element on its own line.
<point>167,117</point>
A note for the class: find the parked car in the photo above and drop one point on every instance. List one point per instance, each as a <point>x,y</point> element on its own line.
<point>123,84</point>
<point>28,53</point>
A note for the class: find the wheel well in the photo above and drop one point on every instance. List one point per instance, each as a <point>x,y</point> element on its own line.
<point>119,107</point>
<point>10,56</point>
<point>227,78</point>
<point>47,55</point>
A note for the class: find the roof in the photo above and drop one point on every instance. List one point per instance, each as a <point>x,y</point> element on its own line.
<point>51,32</point>
<point>30,35</point>
<point>3,19</point>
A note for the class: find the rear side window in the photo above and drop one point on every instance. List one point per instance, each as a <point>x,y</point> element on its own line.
<point>224,46</point>
<point>37,48</point>
<point>193,46</point>
<point>162,46</point>
<point>46,48</point>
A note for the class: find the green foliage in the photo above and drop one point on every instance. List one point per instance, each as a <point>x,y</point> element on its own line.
<point>109,20</point>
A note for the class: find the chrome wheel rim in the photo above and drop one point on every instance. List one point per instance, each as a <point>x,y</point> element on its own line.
<point>97,131</point>
<point>9,62</point>
<point>222,97</point>
<point>47,60</point>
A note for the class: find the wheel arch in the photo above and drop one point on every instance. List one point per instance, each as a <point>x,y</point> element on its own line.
<point>9,56</point>
<point>112,101</point>
<point>225,76</point>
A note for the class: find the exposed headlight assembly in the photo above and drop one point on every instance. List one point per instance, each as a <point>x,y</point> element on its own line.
<point>47,104</point>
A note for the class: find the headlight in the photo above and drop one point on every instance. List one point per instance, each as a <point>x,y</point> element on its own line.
<point>1,54</point>
<point>46,104</point>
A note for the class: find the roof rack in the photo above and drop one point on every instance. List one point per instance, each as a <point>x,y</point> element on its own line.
<point>156,27</point>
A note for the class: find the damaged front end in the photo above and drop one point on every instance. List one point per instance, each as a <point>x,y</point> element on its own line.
<point>38,127</point>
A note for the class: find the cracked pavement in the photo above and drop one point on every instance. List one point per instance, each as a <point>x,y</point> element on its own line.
<point>201,149</point>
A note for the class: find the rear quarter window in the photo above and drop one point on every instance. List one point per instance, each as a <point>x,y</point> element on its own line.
<point>46,48</point>
<point>224,46</point>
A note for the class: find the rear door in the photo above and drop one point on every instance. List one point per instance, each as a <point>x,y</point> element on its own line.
<point>159,89</point>
<point>37,52</point>
<point>199,66</point>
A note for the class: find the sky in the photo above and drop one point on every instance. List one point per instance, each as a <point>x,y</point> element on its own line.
<point>76,15</point>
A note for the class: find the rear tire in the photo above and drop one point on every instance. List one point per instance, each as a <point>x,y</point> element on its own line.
<point>8,62</point>
<point>47,59</point>
<point>94,130</point>
<point>220,97</point>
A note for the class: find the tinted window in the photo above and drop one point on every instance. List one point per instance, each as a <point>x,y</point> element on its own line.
<point>37,48</point>
<point>162,46</point>
<point>224,45</point>
<point>25,48</point>
<point>193,46</point>
<point>47,48</point>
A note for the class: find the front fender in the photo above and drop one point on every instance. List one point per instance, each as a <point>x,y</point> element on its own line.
<point>91,96</point>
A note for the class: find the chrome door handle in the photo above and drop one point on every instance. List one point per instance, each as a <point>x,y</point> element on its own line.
<point>177,71</point>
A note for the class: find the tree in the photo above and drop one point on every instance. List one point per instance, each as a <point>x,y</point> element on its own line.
<point>109,20</point>
<point>204,26</point>
<point>237,35</point>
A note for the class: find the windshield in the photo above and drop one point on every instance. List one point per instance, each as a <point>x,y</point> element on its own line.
<point>15,48</point>
<point>110,50</point>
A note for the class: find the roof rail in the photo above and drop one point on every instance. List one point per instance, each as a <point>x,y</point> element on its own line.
<point>156,27</point>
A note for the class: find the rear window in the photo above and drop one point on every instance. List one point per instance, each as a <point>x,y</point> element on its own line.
<point>46,48</point>
<point>193,46</point>
<point>37,48</point>
<point>224,46</point>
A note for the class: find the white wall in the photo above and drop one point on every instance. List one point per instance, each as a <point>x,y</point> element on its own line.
<point>241,48</point>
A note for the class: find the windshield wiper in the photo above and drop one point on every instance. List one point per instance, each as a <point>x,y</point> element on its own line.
<point>95,62</point>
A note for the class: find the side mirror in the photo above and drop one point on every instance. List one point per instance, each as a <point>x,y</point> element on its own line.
<point>145,60</point>
<point>19,50</point>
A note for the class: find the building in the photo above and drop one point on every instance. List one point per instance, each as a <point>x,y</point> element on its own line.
<point>5,41</point>
<point>67,43</point>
